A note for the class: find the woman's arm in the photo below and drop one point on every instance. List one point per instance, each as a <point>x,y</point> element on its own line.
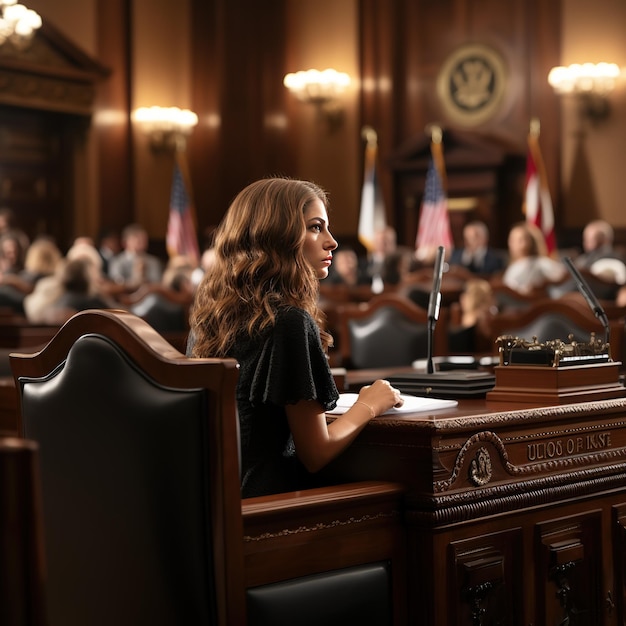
<point>317,442</point>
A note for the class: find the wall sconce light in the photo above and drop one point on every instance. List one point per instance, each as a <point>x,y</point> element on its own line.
<point>166,127</point>
<point>590,83</point>
<point>17,23</point>
<point>322,89</point>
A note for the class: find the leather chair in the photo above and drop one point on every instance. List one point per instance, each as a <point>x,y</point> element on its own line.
<point>162,313</point>
<point>140,476</point>
<point>388,331</point>
<point>21,540</point>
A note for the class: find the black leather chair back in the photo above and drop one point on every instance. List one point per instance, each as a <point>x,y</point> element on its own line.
<point>135,486</point>
<point>162,314</point>
<point>387,338</point>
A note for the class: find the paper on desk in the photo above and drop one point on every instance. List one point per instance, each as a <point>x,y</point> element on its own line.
<point>412,404</point>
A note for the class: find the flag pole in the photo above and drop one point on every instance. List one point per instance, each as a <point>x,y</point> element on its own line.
<point>535,127</point>
<point>372,211</point>
<point>370,136</point>
<point>539,202</point>
<point>436,151</point>
<point>533,144</point>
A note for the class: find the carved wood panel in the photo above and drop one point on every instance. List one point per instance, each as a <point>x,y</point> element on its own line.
<point>568,573</point>
<point>617,601</point>
<point>488,582</point>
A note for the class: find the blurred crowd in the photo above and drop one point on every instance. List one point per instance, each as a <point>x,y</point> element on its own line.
<point>48,285</point>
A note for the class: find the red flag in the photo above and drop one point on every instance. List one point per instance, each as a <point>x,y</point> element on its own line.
<point>372,216</point>
<point>434,223</point>
<point>181,238</point>
<point>537,200</point>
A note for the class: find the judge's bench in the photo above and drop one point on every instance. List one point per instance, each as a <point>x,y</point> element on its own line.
<point>515,506</point>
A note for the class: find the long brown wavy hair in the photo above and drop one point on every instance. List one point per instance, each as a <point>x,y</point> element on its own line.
<point>259,266</point>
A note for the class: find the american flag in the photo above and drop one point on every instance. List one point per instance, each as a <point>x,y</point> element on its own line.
<point>537,200</point>
<point>181,238</point>
<point>372,216</point>
<point>434,223</point>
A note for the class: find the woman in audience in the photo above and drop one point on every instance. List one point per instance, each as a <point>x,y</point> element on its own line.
<point>13,285</point>
<point>177,275</point>
<point>76,284</point>
<point>258,304</point>
<point>530,267</point>
<point>345,269</point>
<point>477,305</point>
<point>42,259</point>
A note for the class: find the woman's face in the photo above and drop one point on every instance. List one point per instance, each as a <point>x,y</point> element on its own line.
<point>518,243</point>
<point>318,243</point>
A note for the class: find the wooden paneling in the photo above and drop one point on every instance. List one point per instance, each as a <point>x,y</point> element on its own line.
<point>115,171</point>
<point>35,179</point>
<point>238,63</point>
<point>405,43</point>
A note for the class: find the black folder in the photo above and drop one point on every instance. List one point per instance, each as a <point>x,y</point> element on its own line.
<point>454,384</point>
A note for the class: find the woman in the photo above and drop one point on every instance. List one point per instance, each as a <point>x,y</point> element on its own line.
<point>258,304</point>
<point>530,267</point>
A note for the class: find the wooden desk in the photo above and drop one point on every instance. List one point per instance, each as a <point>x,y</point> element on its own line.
<point>516,514</point>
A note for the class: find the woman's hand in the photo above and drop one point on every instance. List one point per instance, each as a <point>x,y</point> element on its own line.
<point>380,396</point>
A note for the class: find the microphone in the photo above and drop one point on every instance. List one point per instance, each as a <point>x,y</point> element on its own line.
<point>594,304</point>
<point>434,304</point>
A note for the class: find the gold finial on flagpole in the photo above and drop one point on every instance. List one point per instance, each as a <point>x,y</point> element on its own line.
<point>535,126</point>
<point>435,131</point>
<point>370,135</point>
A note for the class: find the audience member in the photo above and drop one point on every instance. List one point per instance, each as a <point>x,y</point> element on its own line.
<point>478,306</point>
<point>178,274</point>
<point>78,280</point>
<point>58,296</point>
<point>42,259</point>
<point>206,262</point>
<point>476,255</point>
<point>345,269</point>
<point>597,242</point>
<point>258,304</point>
<point>12,253</point>
<point>109,245</point>
<point>599,259</point>
<point>9,223</point>
<point>530,267</point>
<point>134,266</point>
<point>383,262</point>
<point>13,286</point>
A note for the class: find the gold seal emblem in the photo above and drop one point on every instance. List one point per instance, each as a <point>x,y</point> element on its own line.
<point>471,84</point>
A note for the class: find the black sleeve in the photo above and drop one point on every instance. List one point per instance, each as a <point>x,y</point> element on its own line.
<point>292,365</point>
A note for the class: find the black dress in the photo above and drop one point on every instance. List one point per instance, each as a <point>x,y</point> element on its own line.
<point>282,366</point>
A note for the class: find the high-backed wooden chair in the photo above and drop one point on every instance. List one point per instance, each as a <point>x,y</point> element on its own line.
<point>507,299</point>
<point>387,331</point>
<point>140,476</point>
<point>21,542</point>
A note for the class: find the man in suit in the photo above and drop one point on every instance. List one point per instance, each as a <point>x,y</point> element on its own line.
<point>597,243</point>
<point>476,255</point>
<point>133,266</point>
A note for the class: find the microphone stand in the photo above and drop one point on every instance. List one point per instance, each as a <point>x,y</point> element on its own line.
<point>434,304</point>
<point>594,304</point>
